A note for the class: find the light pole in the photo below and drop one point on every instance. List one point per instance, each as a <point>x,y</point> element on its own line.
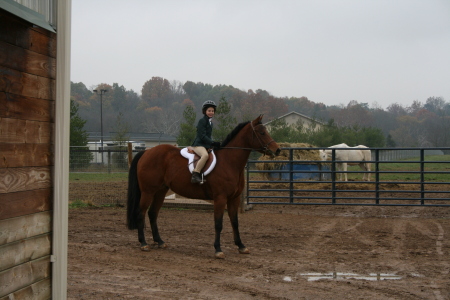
<point>102,91</point>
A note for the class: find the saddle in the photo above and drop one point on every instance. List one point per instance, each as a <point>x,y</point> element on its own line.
<point>193,159</point>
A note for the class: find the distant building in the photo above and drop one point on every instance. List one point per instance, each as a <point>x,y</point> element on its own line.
<point>140,140</point>
<point>293,118</point>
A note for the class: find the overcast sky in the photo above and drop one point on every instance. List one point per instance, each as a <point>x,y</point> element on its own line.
<point>372,51</point>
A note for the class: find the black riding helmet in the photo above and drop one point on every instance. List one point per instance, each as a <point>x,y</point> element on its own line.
<point>206,104</point>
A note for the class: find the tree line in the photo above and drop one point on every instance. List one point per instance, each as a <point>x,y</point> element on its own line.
<point>174,107</point>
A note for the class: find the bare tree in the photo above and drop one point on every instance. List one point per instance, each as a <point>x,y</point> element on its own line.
<point>435,104</point>
<point>162,121</point>
<point>437,131</point>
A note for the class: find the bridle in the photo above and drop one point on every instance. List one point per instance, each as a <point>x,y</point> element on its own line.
<point>264,148</point>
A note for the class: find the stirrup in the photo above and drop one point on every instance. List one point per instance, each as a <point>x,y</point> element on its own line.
<point>202,178</point>
<point>198,178</point>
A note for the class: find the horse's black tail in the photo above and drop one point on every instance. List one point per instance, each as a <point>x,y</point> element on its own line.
<point>134,218</point>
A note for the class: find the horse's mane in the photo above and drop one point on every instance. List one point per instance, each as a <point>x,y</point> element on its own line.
<point>233,133</point>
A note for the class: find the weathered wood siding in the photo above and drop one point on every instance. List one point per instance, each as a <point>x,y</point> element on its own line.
<point>27,114</point>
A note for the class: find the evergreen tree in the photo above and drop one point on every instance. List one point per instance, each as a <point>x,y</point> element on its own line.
<point>226,122</point>
<point>372,137</point>
<point>280,131</point>
<point>390,141</point>
<point>78,136</point>
<point>328,135</point>
<point>187,128</point>
<point>79,156</point>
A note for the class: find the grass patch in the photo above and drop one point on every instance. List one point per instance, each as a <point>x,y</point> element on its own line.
<point>81,204</point>
<point>404,171</point>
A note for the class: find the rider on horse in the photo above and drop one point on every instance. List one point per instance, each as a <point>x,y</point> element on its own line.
<point>203,139</point>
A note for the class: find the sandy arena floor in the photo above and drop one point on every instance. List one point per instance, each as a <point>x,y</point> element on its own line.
<point>301,252</point>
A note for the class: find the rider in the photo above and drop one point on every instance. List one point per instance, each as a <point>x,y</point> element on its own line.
<point>203,139</point>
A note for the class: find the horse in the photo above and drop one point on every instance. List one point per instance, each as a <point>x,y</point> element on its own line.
<point>156,170</point>
<point>357,155</point>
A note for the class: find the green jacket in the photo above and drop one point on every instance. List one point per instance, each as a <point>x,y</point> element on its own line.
<point>204,131</point>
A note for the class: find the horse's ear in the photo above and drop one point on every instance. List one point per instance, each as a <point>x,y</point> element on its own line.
<point>258,120</point>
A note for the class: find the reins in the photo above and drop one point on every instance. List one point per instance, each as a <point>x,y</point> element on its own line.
<point>265,148</point>
<point>242,148</point>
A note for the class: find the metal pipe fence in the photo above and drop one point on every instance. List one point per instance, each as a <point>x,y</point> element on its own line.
<point>108,160</point>
<point>401,177</point>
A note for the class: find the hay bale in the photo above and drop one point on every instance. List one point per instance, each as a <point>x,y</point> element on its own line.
<point>270,166</point>
<point>298,155</point>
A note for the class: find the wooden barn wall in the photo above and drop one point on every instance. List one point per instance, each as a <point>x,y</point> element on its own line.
<point>27,113</point>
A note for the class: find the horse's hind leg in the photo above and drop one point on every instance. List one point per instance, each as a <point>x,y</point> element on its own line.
<point>219,208</point>
<point>153,212</point>
<point>145,201</point>
<point>233,208</point>
<point>361,166</point>
<point>340,174</point>
<point>364,167</point>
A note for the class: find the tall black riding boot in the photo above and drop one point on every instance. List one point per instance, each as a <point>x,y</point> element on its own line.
<point>196,178</point>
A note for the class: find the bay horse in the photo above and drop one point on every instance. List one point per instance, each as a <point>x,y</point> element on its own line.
<point>154,171</point>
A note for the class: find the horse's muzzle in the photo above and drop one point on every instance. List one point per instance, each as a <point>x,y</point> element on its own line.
<point>273,154</point>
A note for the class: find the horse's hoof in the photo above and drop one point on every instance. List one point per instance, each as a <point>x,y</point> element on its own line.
<point>145,248</point>
<point>161,246</point>
<point>244,251</point>
<point>219,255</point>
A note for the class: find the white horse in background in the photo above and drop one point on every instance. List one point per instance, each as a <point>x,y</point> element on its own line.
<point>353,154</point>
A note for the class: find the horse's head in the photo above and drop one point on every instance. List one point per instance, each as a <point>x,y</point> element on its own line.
<point>264,142</point>
<point>323,155</point>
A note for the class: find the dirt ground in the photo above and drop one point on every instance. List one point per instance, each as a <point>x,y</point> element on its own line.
<point>297,252</point>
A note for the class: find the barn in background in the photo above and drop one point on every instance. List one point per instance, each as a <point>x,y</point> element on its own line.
<point>34,143</point>
<point>293,119</point>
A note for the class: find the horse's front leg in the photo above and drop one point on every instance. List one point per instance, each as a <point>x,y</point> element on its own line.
<point>339,168</point>
<point>219,208</point>
<point>344,168</point>
<point>233,209</point>
<point>367,168</point>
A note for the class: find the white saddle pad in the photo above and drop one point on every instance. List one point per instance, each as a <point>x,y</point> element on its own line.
<point>190,157</point>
